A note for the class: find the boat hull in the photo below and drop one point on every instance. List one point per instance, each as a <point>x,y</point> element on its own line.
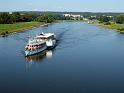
<point>29,53</point>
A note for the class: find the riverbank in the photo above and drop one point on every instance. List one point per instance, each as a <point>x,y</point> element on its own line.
<point>118,27</point>
<point>6,29</point>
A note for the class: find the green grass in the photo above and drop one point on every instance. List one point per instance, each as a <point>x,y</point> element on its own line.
<point>21,26</point>
<point>118,27</point>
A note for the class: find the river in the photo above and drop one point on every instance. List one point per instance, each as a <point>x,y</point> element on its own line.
<point>87,59</point>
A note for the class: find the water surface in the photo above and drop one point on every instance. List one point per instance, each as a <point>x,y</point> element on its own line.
<point>87,59</point>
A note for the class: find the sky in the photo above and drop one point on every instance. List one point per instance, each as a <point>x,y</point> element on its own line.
<point>63,5</point>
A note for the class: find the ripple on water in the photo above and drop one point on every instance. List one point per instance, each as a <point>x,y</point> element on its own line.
<point>87,57</point>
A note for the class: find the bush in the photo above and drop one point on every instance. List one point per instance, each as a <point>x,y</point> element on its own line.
<point>107,23</point>
<point>7,32</point>
<point>120,29</point>
<point>46,18</point>
<point>120,19</point>
<point>3,33</point>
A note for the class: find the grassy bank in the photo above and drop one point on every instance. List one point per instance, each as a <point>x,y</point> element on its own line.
<point>117,27</point>
<point>17,27</point>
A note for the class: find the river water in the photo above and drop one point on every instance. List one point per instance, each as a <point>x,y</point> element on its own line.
<point>86,59</point>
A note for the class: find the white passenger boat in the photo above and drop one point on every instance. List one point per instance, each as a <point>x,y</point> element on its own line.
<point>40,43</point>
<point>49,38</point>
<point>35,46</point>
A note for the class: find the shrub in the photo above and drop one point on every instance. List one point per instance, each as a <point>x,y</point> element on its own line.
<point>3,33</point>
<point>120,29</point>
<point>107,23</point>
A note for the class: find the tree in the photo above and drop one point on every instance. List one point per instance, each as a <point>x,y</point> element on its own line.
<point>5,18</point>
<point>16,17</point>
<point>46,18</point>
<point>120,19</point>
<point>26,18</point>
<point>104,19</point>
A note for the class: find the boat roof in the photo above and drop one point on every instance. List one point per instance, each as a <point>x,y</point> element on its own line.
<point>35,42</point>
<point>46,35</point>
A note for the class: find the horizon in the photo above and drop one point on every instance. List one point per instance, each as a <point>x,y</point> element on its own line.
<point>62,6</point>
<point>63,11</point>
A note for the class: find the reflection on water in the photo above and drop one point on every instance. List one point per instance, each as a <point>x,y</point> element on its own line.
<point>34,59</point>
<point>40,56</point>
<point>49,54</point>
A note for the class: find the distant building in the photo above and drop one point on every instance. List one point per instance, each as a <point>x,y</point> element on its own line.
<point>110,16</point>
<point>10,13</point>
<point>67,15</point>
<point>74,17</point>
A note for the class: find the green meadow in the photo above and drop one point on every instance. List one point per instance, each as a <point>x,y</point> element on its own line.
<point>16,27</point>
<point>117,27</point>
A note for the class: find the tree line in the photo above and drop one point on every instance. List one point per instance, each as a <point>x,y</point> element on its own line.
<point>7,18</point>
<point>10,18</point>
<point>107,19</point>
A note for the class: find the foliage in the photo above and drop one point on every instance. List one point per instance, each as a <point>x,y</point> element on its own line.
<point>5,18</point>
<point>120,19</point>
<point>104,19</point>
<point>107,23</point>
<point>119,27</point>
<point>46,18</point>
